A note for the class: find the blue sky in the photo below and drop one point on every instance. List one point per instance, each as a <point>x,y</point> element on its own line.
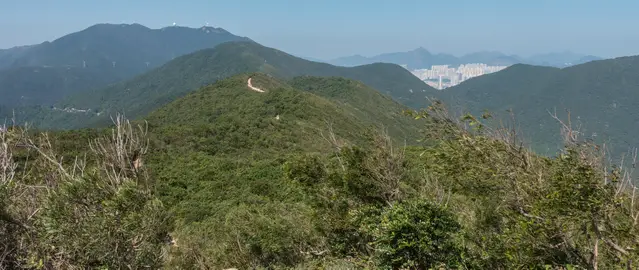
<point>331,28</point>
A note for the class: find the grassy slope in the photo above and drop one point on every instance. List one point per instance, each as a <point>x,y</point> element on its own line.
<point>362,102</point>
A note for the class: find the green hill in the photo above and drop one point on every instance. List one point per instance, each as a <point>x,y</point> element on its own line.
<point>141,95</point>
<point>94,58</point>
<point>363,102</point>
<point>228,117</point>
<point>224,148</point>
<point>236,177</point>
<point>303,108</point>
<point>600,95</point>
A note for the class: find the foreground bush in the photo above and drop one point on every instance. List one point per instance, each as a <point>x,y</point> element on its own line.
<point>86,224</point>
<point>473,198</point>
<point>414,235</point>
<point>96,212</point>
<point>521,210</point>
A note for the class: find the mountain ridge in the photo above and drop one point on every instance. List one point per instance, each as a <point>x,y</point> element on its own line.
<point>143,44</point>
<point>600,96</point>
<point>421,58</point>
<point>98,56</point>
<point>151,90</point>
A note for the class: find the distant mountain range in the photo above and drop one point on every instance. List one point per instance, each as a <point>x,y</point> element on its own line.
<point>140,95</point>
<point>95,57</point>
<point>421,58</point>
<point>130,46</point>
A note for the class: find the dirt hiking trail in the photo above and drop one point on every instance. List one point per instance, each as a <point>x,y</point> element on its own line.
<point>248,83</point>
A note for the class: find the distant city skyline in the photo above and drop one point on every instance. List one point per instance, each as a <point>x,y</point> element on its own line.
<point>330,29</point>
<point>444,76</point>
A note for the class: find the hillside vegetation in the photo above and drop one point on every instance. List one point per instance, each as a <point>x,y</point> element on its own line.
<point>143,94</point>
<point>600,96</point>
<point>302,177</point>
<point>8,56</point>
<point>230,107</point>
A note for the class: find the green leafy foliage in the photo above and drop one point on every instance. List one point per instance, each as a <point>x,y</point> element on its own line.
<point>415,235</point>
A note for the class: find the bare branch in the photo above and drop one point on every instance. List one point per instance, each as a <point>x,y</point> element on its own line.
<point>120,156</point>
<point>7,166</point>
<point>332,140</point>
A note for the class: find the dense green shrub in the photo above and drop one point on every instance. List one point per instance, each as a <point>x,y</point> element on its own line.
<point>414,235</point>
<point>307,170</point>
<point>250,235</point>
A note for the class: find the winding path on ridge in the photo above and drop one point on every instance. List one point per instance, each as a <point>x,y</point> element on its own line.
<point>248,83</point>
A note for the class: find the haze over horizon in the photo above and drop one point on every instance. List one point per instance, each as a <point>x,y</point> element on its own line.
<point>331,29</point>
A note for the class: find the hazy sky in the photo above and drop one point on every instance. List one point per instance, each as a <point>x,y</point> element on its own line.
<point>331,28</point>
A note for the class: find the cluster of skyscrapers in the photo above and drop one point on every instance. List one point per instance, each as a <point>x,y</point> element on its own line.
<point>444,76</point>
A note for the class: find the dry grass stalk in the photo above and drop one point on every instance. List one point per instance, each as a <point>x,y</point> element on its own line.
<point>7,165</point>
<point>387,167</point>
<point>331,138</point>
<point>120,156</point>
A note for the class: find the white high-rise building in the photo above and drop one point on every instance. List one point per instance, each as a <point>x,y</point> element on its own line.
<point>436,75</point>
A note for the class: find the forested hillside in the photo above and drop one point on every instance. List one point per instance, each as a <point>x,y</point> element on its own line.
<point>303,109</point>
<point>94,58</point>
<point>298,175</point>
<point>8,56</point>
<point>600,96</point>
<point>139,96</point>
<point>26,86</point>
